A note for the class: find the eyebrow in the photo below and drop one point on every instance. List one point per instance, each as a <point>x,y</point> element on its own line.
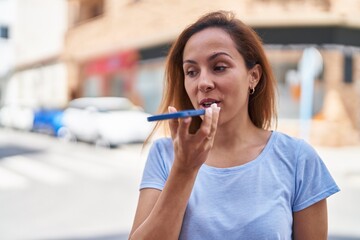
<point>215,55</point>
<point>212,57</point>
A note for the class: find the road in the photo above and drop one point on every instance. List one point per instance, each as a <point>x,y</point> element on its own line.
<point>54,190</point>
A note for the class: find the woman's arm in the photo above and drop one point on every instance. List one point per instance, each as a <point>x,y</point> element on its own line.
<point>146,202</point>
<point>311,222</point>
<point>160,214</point>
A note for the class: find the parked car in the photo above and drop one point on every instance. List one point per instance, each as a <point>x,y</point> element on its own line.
<point>17,117</point>
<point>48,121</point>
<point>105,121</point>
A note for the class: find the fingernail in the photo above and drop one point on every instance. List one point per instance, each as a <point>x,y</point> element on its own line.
<point>170,109</point>
<point>209,110</point>
<point>215,107</point>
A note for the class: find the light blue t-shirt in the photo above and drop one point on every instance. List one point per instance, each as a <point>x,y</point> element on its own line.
<point>252,201</point>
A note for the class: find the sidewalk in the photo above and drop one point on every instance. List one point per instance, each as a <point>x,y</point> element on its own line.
<point>344,207</point>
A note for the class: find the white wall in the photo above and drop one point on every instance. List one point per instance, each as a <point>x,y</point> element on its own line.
<point>37,34</point>
<point>40,28</point>
<point>7,18</point>
<point>38,87</point>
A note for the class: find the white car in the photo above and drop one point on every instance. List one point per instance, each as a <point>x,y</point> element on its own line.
<point>17,117</point>
<point>105,121</point>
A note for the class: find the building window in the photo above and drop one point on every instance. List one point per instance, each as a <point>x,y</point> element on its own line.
<point>4,32</point>
<point>149,83</point>
<point>348,68</point>
<point>92,86</point>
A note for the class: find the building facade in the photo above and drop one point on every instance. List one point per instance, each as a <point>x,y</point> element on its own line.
<point>7,7</point>
<point>118,48</point>
<point>36,76</point>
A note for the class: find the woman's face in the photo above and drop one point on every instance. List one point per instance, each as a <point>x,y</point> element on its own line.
<point>215,72</point>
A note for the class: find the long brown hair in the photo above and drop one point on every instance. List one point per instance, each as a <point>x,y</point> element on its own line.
<point>262,104</point>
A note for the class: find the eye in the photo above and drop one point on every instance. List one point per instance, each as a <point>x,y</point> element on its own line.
<point>220,68</point>
<point>190,72</point>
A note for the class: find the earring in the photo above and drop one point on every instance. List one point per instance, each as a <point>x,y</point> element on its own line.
<point>252,91</point>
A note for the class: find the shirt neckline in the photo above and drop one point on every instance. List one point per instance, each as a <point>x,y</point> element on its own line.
<point>257,160</point>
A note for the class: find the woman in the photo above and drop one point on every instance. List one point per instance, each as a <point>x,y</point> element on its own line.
<point>226,175</point>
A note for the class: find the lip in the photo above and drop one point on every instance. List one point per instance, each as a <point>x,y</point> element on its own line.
<point>206,102</point>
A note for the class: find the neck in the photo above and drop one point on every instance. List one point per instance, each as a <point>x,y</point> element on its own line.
<point>239,134</point>
<point>236,145</point>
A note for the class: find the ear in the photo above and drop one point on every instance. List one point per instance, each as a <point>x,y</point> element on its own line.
<point>255,74</point>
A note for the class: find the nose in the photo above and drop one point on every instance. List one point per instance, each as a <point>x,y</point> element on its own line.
<point>205,83</point>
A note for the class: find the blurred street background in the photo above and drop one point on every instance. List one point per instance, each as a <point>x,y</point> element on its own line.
<point>79,77</point>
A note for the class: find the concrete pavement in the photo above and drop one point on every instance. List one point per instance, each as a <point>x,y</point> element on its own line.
<point>344,206</point>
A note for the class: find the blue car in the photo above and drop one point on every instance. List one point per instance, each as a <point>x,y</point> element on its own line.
<point>48,121</point>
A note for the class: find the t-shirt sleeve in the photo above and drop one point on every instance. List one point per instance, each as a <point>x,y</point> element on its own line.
<point>155,171</point>
<point>313,181</point>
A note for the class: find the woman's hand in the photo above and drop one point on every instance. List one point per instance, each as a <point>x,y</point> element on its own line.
<point>192,150</point>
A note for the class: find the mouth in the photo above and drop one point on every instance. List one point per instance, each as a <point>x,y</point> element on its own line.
<point>206,103</point>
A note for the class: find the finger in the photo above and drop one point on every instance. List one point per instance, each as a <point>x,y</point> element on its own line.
<point>173,123</point>
<point>215,119</point>
<point>205,127</point>
<point>183,130</point>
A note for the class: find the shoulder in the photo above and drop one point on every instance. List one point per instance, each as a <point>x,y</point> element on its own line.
<point>162,147</point>
<point>162,143</point>
<point>293,149</point>
<point>292,143</point>
<point>158,164</point>
<point>286,143</point>
<point>283,138</point>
